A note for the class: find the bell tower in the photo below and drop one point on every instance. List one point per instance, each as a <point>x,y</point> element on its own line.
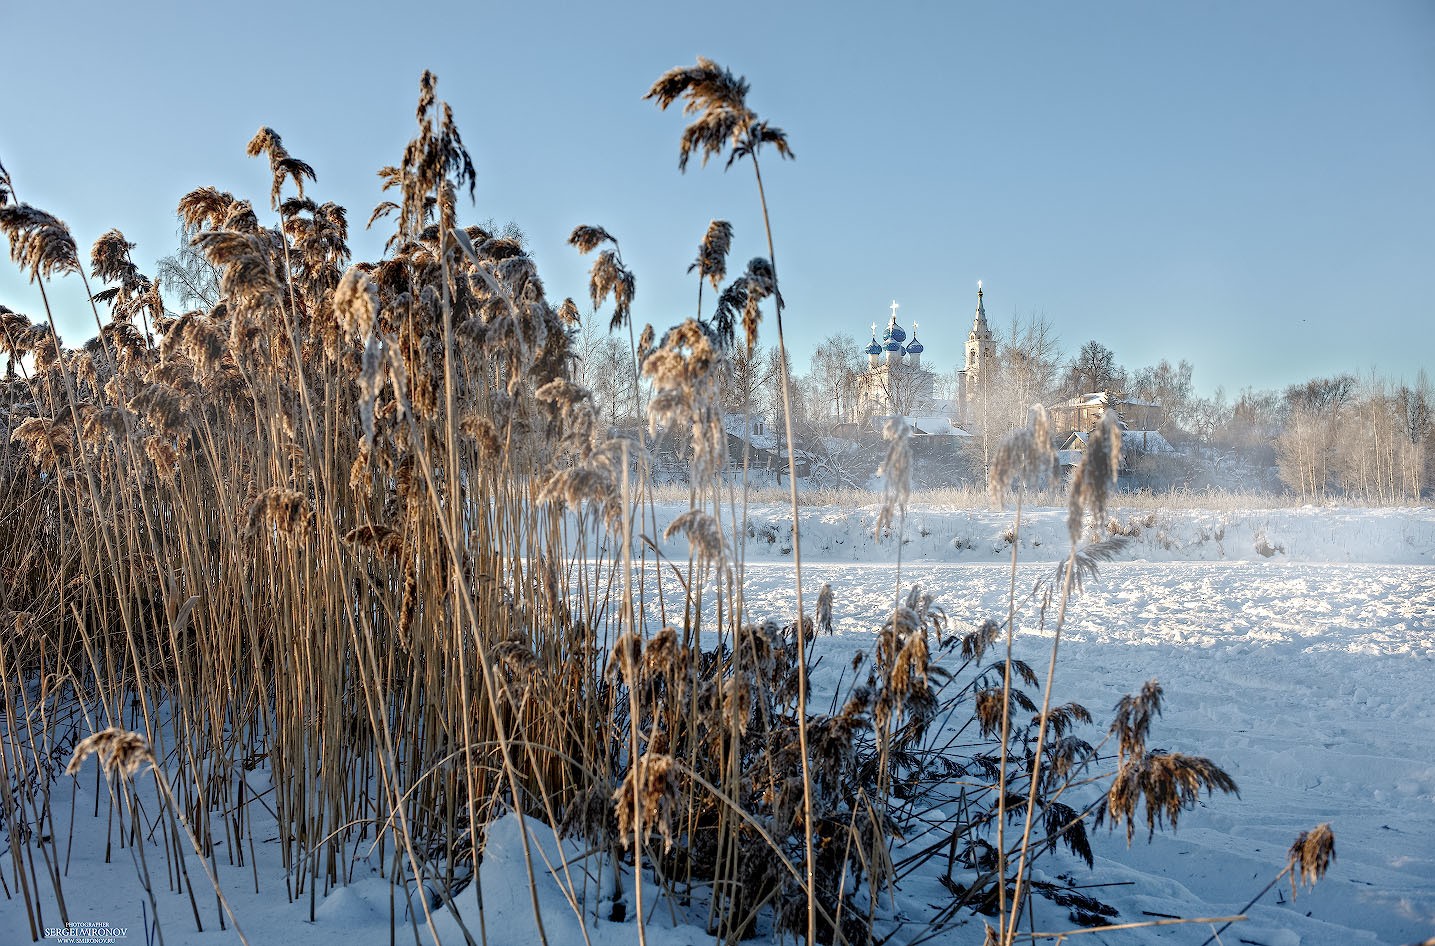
<point>973,376</point>
<point>981,349</point>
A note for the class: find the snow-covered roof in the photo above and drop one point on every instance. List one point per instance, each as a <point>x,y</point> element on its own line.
<point>937,425</point>
<point>1147,441</point>
<point>930,425</point>
<point>733,424</point>
<point>1096,398</point>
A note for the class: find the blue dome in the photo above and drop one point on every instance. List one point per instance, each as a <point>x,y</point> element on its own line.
<point>893,345</point>
<point>894,333</point>
<point>916,348</point>
<point>874,348</point>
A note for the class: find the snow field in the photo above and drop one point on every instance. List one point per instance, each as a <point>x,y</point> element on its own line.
<point>1309,683</point>
<point>1305,673</point>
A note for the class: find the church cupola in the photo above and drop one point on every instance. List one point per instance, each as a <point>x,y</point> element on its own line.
<point>893,338</point>
<point>915,349</point>
<point>874,350</point>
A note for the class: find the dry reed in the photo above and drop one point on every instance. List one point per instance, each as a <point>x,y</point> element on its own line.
<point>355,524</point>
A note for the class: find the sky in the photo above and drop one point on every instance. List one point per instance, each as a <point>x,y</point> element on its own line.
<point>1245,185</point>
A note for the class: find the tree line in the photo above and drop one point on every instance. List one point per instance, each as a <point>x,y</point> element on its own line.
<point>1369,438</point>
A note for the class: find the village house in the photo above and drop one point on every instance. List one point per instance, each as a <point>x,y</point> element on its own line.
<point>1132,442</point>
<point>1084,411</point>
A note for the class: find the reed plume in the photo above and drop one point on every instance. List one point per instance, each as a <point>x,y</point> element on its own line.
<point>1168,783</point>
<point>39,242</point>
<point>1094,474</point>
<point>608,277</point>
<point>896,473</point>
<point>1024,457</point>
<point>205,208</point>
<point>719,100</point>
<point>823,614</point>
<point>120,751</point>
<point>434,163</point>
<point>356,303</point>
<point>711,262</point>
<point>110,259</point>
<point>282,165</point>
<point>1311,855</point>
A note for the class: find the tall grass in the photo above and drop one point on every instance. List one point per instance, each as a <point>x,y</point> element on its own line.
<point>334,526</point>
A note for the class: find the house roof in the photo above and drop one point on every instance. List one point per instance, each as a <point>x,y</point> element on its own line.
<point>1094,399</point>
<point>928,425</point>
<point>733,424</point>
<point>1147,441</point>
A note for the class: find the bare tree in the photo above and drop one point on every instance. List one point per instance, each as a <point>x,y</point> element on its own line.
<point>1375,456</point>
<point>1359,438</point>
<point>1304,448</point>
<point>187,275</point>
<point>949,384</point>
<point>1417,413</point>
<point>841,461</point>
<point>1322,394</point>
<point>1209,414</point>
<point>1417,408</point>
<point>1303,453</point>
<point>774,371</point>
<point>1095,369</point>
<point>1029,360</point>
<point>905,389</point>
<point>1027,372</point>
<point>832,381</point>
<point>746,383</point>
<point>604,366</point>
<point>1169,386</point>
<point>1254,421</point>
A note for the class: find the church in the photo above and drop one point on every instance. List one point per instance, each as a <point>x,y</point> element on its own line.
<point>894,382</point>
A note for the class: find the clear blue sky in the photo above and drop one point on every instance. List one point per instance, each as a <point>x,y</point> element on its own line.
<point>1247,185</point>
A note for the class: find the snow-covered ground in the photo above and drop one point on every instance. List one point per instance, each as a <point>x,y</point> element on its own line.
<point>1310,683</point>
<point>936,534</point>
<point>1296,648</point>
